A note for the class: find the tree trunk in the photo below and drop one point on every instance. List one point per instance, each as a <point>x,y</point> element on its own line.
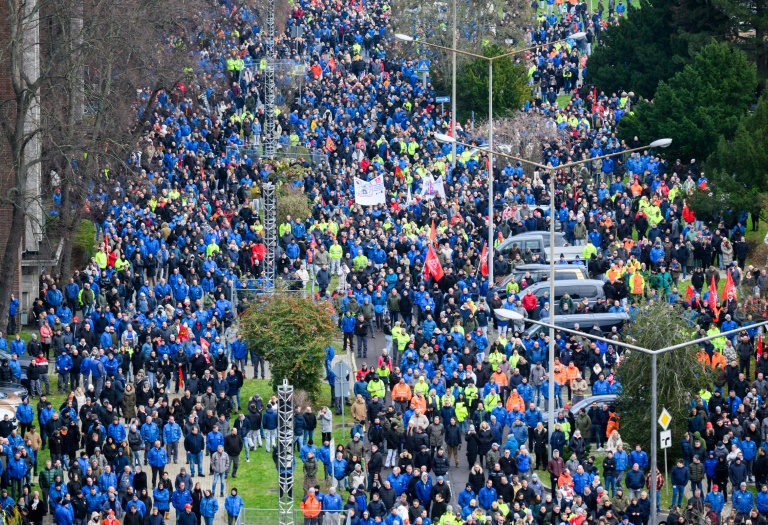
<point>70,218</point>
<point>11,257</point>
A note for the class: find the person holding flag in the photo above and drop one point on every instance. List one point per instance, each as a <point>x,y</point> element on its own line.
<point>432,266</point>
<point>713,300</point>
<point>484,260</point>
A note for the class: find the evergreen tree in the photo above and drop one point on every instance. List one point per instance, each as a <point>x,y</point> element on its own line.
<point>700,104</point>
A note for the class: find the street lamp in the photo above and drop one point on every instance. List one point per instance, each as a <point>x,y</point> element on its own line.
<point>490,60</point>
<point>511,315</point>
<point>660,143</point>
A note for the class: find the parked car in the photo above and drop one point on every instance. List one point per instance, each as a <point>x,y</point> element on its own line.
<point>605,323</point>
<point>534,273</point>
<point>585,404</point>
<point>577,289</point>
<point>24,361</point>
<point>16,389</point>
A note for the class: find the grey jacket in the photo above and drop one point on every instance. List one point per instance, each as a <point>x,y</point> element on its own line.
<point>220,462</point>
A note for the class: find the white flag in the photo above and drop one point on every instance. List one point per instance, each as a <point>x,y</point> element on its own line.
<point>432,187</point>
<point>370,193</point>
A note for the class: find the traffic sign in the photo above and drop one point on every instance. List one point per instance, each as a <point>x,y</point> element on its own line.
<point>442,100</point>
<point>423,66</point>
<point>665,419</point>
<point>342,370</point>
<point>666,439</point>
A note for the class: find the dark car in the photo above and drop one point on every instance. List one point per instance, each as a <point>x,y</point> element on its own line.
<point>24,361</point>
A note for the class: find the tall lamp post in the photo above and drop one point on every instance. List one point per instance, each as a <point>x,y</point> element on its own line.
<point>661,143</point>
<point>511,315</point>
<point>490,60</point>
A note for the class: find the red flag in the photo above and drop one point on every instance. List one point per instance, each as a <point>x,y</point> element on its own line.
<point>183,333</point>
<point>432,266</point>
<point>484,260</point>
<point>181,377</point>
<point>329,145</point>
<point>433,232</point>
<point>714,302</point>
<point>399,173</point>
<point>729,286</point>
<point>689,294</point>
<point>759,346</point>
<point>204,344</point>
<point>107,249</point>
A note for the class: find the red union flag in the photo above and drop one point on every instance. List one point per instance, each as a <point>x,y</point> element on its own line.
<point>432,267</point>
<point>484,260</point>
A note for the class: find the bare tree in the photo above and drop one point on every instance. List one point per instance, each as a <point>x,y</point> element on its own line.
<point>82,62</point>
<point>524,135</point>
<point>478,22</point>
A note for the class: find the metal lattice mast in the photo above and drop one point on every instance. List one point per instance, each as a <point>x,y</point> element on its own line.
<point>269,193</point>
<point>285,458</point>
<point>269,83</point>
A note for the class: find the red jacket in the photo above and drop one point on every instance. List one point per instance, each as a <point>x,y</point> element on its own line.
<point>529,301</point>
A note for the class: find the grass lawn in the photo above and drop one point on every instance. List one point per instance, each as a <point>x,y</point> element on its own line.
<point>256,481</point>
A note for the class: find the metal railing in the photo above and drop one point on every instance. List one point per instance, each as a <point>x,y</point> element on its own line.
<point>256,516</point>
<point>253,152</point>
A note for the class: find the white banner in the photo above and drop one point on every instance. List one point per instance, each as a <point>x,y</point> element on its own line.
<point>370,193</point>
<point>432,187</point>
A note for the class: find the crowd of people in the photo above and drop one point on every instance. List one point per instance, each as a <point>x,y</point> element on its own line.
<point>181,235</point>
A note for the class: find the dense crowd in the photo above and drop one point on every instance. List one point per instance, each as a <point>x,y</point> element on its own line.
<point>156,307</point>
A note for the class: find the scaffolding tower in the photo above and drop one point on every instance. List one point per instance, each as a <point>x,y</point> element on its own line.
<point>285,459</point>
<point>269,193</point>
<point>270,140</point>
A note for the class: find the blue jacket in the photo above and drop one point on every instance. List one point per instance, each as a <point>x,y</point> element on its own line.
<point>171,433</point>
<point>532,417</point>
<point>106,481</point>
<point>181,498</point>
<point>641,458</point>
<point>150,432</point>
<point>18,347</point>
<point>64,514</point>
<point>486,497</point>
<point>749,449</point>
<point>63,364</point>
<point>717,501</point>
<point>524,463</point>
<point>209,507</point>
<point>761,500</point>
<point>423,490</point>
<point>25,413</point>
<point>339,468</point>
<point>95,501</point>
<point>465,496</point>
<point>332,503</point>
<point>157,457</point>
<point>162,499</point>
<point>580,481</point>
<point>17,468</point>
<point>743,501</point>
<point>117,431</point>
<point>622,460</point>
<point>348,324</point>
<point>213,440</point>
<point>239,349</point>
<point>233,505</point>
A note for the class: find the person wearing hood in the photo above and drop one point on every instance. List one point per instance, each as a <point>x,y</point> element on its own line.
<point>269,424</point>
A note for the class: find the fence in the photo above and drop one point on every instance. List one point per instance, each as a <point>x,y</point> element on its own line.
<point>253,516</point>
<point>254,290</point>
<point>283,152</point>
